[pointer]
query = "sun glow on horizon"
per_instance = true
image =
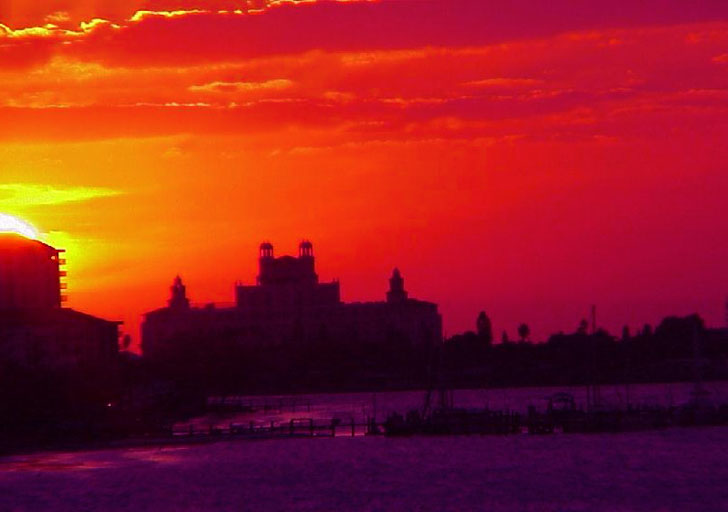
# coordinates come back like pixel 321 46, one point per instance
pixel 11 224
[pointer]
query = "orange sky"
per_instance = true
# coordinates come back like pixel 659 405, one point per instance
pixel 525 159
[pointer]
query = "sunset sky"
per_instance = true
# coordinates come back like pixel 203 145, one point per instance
pixel 524 157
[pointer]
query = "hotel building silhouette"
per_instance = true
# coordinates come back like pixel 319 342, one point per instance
pixel 288 305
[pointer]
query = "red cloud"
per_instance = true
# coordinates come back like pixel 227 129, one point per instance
pixel 196 32
pixel 573 85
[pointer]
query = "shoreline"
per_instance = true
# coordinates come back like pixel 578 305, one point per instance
pixel 319 427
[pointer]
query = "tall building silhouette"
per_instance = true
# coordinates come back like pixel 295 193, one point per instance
pixel 30 274
pixel 34 329
pixel 288 305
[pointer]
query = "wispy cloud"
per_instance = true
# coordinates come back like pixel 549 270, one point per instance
pixel 58 17
pixel 140 15
pixel 503 82
pixel 35 194
pixel 226 87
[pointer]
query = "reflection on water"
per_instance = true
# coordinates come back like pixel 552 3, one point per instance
pixel 91 460
pixel 677 469
pixel 54 462
pixel 159 455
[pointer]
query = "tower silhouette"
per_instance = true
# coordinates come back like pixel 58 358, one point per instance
pixel 396 291
pixel 178 298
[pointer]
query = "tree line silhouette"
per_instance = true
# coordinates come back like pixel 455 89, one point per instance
pixel 673 351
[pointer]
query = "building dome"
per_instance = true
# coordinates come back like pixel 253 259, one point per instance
pixel 266 250
pixel 305 248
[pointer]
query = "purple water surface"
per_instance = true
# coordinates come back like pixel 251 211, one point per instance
pixel 676 469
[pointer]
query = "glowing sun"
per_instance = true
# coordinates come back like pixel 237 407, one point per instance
pixel 10 224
